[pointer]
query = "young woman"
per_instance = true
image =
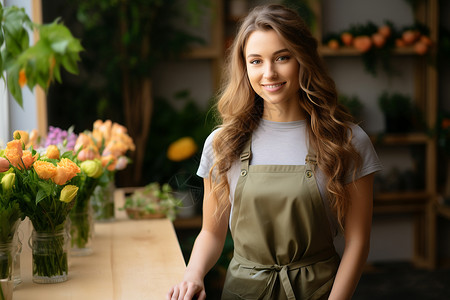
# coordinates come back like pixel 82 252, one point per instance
pixel 285 171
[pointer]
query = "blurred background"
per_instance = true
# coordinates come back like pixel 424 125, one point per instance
pixel 155 67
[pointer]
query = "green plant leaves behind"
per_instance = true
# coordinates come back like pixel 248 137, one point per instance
pixel 41 62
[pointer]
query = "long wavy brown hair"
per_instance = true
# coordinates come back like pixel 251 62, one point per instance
pixel 240 109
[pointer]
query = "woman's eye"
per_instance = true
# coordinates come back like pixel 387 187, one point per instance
pixel 255 62
pixel 283 58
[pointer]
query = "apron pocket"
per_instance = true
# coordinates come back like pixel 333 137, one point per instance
pixel 245 283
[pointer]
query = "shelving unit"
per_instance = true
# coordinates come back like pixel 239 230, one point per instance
pixel 422 204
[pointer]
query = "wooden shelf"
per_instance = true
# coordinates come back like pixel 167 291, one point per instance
pixel 398 208
pixel 400 139
pixel 203 53
pixel 411 196
pixel 350 51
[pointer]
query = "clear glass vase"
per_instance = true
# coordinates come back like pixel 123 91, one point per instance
pixel 7 256
pixel 50 256
pixel 16 264
pixel 81 230
pixel 102 201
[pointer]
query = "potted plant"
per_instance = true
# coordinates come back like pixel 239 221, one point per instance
pixel 152 201
pixel 398 112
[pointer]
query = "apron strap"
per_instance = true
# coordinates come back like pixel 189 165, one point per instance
pixel 245 157
pixel 283 270
pixel 311 162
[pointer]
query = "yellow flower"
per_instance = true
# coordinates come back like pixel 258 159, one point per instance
pixel 44 169
pixel 14 152
pixel 68 193
pixel 65 171
pixel 21 135
pixel 182 149
pixel 8 181
pixel 92 168
pixel 52 152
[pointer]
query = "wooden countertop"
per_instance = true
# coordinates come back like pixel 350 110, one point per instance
pixel 132 260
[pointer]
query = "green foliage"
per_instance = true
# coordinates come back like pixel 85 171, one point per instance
pixel 154 199
pixel 304 10
pixel 41 62
pixel 168 125
pixel 395 104
pixel 352 104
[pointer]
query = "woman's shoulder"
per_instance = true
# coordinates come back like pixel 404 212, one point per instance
pixel 359 136
pixel 210 138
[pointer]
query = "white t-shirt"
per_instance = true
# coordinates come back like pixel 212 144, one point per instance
pixel 285 143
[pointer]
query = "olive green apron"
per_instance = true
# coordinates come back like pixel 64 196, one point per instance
pixel 282 238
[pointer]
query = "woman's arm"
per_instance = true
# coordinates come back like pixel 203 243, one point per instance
pixel 207 249
pixel 358 223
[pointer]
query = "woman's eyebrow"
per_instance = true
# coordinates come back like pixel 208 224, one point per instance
pixel 275 53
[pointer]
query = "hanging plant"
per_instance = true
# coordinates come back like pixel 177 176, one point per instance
pixel 38 64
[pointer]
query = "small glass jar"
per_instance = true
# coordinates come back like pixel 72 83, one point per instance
pixel 7 254
pixel 81 231
pixel 50 256
pixel 102 201
pixel 16 267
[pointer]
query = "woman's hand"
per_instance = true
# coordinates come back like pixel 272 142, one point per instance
pixel 206 251
pixel 187 290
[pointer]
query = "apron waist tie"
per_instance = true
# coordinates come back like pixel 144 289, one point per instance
pixel 283 270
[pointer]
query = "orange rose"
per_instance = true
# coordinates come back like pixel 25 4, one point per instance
pixel 44 169
pixel 111 160
pixel 28 159
pixel 88 153
pixel 83 141
pixel 116 148
pixel 14 152
pixel 65 171
pixel 52 152
pixel 33 139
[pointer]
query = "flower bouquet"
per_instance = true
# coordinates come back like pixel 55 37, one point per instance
pixel 81 228
pixel 109 143
pixel 10 216
pixel 46 186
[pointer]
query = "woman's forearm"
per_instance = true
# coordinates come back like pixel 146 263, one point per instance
pixel 205 253
pixel 350 270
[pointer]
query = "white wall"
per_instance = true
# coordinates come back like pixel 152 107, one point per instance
pixel 13 117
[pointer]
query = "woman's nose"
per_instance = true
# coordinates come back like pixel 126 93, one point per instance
pixel 269 71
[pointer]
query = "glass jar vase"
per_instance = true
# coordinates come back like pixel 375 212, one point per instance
pixel 50 256
pixel 81 230
pixel 102 201
pixel 7 256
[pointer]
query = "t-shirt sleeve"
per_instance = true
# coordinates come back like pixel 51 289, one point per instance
pixel 207 158
pixel 370 163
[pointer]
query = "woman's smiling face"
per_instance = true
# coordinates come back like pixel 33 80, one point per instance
pixel 273 72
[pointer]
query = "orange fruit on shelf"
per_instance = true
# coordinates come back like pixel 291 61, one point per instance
pixel 362 43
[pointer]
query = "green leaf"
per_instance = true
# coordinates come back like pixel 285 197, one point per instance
pixel 40 196
pixel 60 46
pixel 14 87
pixel 70 64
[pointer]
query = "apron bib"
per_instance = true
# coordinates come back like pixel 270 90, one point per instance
pixel 283 246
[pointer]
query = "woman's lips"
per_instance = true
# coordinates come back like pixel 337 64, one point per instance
pixel 273 87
